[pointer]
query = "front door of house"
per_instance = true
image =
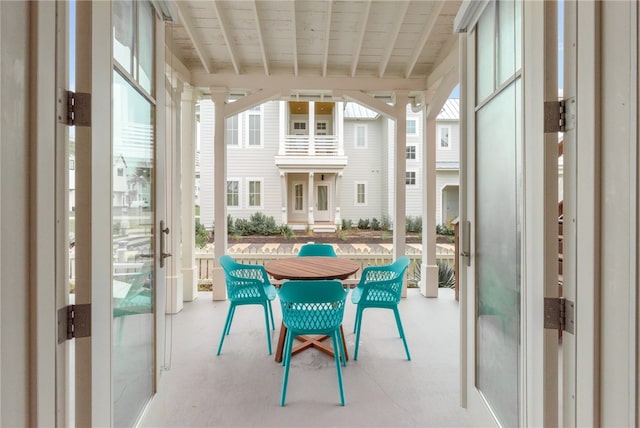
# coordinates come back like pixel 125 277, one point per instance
pixel 322 196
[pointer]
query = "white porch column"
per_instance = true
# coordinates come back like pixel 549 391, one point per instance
pixel 174 201
pixel 219 97
pixel 310 199
pixel 429 268
pixel 339 126
pixel 284 129
pixel 188 137
pixel 399 233
pixel 312 128
pixel 338 219
pixel 285 196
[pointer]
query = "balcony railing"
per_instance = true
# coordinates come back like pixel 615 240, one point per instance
pixel 300 145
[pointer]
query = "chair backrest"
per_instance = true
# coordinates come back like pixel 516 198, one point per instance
pixel 383 284
pixel 310 307
pixel 243 281
pixel 325 250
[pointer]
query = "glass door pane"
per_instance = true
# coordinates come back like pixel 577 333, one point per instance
pixel 133 270
pixel 498 182
pixel 322 202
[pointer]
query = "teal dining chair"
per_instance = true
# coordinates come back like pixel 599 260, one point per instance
pixel 312 307
pixel 247 285
pixel 380 287
pixel 325 250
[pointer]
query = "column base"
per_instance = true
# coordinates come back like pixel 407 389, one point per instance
pixel 174 294
pixel 190 284
pixel 219 287
pixel 429 280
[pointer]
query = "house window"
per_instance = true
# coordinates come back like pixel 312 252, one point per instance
pixel 361 193
pixel 321 128
pixel 72 164
pixel 411 151
pixel 120 172
pixel 255 193
pixel 255 126
pixel 361 136
pixel 299 128
pixel 233 193
pixel 443 140
pixel 410 178
pixel 412 127
pixel 299 197
pixel 231 129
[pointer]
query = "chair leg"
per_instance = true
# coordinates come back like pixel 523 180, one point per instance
pixel 287 362
pixel 336 341
pixel 232 312
pixel 266 322
pixel 273 325
pixel 227 325
pixel 357 331
pixel 401 331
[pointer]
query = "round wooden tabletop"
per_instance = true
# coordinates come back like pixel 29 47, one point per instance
pixel 308 268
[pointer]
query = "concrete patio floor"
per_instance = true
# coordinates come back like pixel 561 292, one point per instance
pixel 241 387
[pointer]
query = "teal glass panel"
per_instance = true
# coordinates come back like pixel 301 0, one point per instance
pixel 485 57
pixel 145 46
pixel 132 243
pixel 498 211
pixel 123 24
pixel 506 57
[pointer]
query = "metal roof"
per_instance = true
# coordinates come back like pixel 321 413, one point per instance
pixel 450 110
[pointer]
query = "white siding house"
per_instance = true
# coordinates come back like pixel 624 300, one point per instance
pixel 316 176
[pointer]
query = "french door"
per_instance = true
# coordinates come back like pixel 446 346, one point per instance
pixel 113 198
pixel 322 203
pixel 509 220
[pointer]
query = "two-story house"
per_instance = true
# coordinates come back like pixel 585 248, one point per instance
pixel 313 164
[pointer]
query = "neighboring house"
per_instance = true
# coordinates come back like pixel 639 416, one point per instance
pixel 313 164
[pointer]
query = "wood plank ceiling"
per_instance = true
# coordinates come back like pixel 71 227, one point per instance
pixel 315 46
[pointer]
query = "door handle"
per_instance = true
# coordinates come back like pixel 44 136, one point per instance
pixel 466 242
pixel 163 253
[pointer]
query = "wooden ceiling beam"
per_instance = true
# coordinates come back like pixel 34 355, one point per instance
pixel 327 34
pixel 189 28
pixel 226 36
pixel 363 29
pixel 395 31
pixel 436 9
pixel 263 49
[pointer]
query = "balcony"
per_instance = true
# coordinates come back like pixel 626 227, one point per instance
pixel 300 150
pixel 241 387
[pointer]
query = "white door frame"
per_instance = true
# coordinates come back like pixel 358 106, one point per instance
pixel 323 216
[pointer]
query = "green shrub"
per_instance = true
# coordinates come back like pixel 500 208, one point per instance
pixel 363 223
pixel 242 227
pixel 385 223
pixel 342 235
pixel 446 275
pixel 375 224
pixel 346 224
pixel 286 231
pixel 414 224
pixel 230 228
pixel 202 236
pixel 443 229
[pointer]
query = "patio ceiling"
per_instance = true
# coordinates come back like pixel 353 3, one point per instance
pixel 315 47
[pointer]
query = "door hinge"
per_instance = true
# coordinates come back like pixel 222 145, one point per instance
pixel 74 108
pixel 558 314
pixel 74 321
pixel 559 116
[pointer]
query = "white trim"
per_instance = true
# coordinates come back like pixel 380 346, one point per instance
pixel 366 194
pixel 260 114
pixel 233 207
pixel 441 129
pixel 363 128
pixel 248 181
pixel 416 131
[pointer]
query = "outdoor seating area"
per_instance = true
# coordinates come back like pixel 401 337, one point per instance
pixel 381 388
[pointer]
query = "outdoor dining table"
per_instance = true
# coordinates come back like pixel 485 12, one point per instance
pixel 310 268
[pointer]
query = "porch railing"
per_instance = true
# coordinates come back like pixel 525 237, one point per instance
pixel 299 145
pixel 205 262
